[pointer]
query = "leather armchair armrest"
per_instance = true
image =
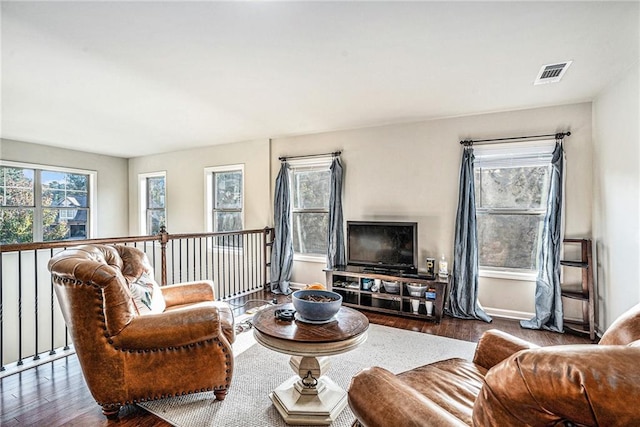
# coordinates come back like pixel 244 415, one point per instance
pixel 379 399
pixel 495 346
pixel 585 384
pixel 188 292
pixel 169 329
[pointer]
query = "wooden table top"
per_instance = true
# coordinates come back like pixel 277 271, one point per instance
pixel 346 332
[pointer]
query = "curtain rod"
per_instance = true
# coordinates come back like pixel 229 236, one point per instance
pixel 285 158
pixel 559 135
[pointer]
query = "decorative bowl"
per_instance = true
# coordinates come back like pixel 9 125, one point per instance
pixel 391 287
pixel 325 306
pixel 416 290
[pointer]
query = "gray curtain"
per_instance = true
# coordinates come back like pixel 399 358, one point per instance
pixel 548 299
pixel 335 246
pixel 463 294
pixel 282 249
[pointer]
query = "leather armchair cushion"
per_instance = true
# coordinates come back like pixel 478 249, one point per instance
pixel 171 329
pixel 407 408
pixel 225 316
pixel 197 293
pixel 450 386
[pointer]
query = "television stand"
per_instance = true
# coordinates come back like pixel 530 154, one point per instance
pixel 355 285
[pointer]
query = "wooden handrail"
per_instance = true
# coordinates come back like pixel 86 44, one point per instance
pixel 162 237
pixel 15 247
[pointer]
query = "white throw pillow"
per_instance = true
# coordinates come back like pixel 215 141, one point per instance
pixel 147 295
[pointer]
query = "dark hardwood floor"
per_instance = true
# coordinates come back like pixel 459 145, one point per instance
pixel 54 394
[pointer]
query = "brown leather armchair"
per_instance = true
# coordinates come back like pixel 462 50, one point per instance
pixel 512 383
pixel 179 344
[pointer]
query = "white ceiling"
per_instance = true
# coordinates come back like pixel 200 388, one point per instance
pixel 136 78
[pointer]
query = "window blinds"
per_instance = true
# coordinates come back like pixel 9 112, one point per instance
pixel 514 154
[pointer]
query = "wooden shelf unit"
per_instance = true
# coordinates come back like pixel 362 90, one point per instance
pixel 583 291
pixel 348 282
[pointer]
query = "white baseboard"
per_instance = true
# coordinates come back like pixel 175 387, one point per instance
pixel 512 314
pixel 509 314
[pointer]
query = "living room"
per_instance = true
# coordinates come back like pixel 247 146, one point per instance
pixel 401 160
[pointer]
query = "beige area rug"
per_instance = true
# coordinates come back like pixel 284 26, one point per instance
pixel 258 371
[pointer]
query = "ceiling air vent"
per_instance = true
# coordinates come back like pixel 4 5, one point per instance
pixel 552 73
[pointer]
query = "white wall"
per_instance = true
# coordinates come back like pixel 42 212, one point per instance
pixel 409 172
pixel 405 172
pixel 185 184
pixel 112 186
pixel 616 211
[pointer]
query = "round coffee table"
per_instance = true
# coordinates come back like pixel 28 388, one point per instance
pixel 310 397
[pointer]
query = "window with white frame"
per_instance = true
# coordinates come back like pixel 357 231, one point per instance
pixel 511 191
pixel 44 203
pixel 153 202
pixel 225 201
pixel 310 191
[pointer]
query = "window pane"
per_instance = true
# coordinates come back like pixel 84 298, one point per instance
pixel 16 187
pixel 63 224
pixel 17 197
pixel 64 189
pixel 65 181
pixel 310 189
pixel 155 218
pixel 517 187
pixel 310 233
pixel 228 190
pixel 16 177
pixel 155 192
pixel 53 227
pixel 508 241
pixel 16 225
pixel 228 221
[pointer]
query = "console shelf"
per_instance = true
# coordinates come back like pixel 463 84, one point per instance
pixel 583 291
pixel 354 284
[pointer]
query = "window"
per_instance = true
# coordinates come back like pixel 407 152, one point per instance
pixel 511 190
pixel 38 204
pixel 153 210
pixel 310 191
pixel 225 200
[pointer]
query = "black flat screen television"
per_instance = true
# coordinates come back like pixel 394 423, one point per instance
pixel 383 245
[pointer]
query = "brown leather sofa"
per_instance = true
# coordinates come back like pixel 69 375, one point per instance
pixel 181 345
pixel 512 383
